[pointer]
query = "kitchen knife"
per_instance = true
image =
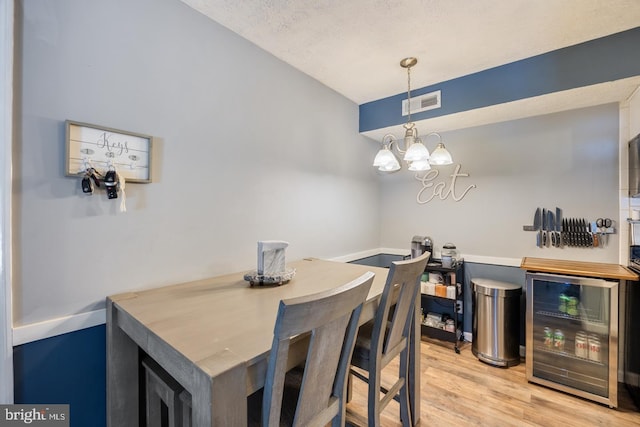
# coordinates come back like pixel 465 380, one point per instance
pixel 537 219
pixel 536 222
pixel 551 225
pixel 581 233
pixel 559 224
pixel 588 235
pixel 543 243
pixel 572 232
pixel 595 234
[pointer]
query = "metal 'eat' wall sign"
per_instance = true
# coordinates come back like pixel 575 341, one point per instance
pixel 440 190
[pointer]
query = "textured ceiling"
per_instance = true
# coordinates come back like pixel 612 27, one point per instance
pixel 354 46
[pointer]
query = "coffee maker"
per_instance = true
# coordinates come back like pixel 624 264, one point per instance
pixel 420 245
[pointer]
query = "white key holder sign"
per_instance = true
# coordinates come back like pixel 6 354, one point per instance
pixel 103 149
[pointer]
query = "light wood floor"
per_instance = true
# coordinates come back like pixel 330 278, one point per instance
pixel 459 390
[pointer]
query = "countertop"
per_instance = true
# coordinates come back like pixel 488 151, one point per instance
pixel 578 268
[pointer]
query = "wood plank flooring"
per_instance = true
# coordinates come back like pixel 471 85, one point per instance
pixel 459 390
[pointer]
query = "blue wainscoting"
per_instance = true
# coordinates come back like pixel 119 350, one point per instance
pixel 66 369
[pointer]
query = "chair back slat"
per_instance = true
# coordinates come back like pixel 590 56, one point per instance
pixel 331 318
pixel 400 294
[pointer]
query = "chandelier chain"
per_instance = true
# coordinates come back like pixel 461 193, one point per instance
pixel 408 95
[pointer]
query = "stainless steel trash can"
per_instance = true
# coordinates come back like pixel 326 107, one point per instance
pixel 496 322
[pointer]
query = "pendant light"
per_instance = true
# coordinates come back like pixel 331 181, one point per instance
pixel 415 153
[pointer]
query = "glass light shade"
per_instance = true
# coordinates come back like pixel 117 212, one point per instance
pixel 386 161
pixel 416 152
pixel 440 156
pixel 390 167
pixel 384 157
pixel 420 165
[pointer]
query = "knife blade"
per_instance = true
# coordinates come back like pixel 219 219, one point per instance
pixel 536 222
pixel 543 243
pixel 580 231
pixel 551 225
pixel 595 235
pixel 559 224
pixel 572 232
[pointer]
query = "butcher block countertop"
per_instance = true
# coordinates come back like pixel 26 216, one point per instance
pixel 578 268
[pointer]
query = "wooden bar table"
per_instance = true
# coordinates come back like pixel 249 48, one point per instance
pixel 214 336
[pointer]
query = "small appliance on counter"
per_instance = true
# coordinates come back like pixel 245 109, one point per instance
pixel 420 245
pixel 449 255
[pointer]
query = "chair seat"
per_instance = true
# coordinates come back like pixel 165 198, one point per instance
pixel 292 384
pixel 362 349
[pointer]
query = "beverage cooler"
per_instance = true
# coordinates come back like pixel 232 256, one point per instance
pixel 572 335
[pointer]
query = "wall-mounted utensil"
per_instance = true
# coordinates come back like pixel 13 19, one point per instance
pixel 544 228
pixel 552 229
pixel 536 222
pixel 595 234
pixel 559 222
pixel 588 237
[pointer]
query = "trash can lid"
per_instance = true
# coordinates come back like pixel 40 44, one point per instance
pixel 496 288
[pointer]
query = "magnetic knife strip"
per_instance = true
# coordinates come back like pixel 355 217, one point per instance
pixel 553 230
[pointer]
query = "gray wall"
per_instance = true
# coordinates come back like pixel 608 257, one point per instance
pixel 247 148
pixel 567 159
pixel 513 275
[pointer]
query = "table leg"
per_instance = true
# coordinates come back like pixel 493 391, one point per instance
pixel 122 374
pixel 221 401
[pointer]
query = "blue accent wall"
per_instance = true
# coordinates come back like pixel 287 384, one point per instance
pixel 65 369
pixel 606 59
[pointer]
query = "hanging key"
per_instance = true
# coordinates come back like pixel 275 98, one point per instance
pixel 111 183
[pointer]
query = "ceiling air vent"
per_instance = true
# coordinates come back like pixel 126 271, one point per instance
pixel 428 101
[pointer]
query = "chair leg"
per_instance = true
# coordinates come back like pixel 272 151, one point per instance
pixel 405 410
pixel 374 397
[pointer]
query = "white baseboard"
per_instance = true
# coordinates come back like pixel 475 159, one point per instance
pixel 479 259
pixel 75 322
pixel 61 325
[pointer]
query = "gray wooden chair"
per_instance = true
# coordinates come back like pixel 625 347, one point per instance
pixel 315 395
pixel 387 336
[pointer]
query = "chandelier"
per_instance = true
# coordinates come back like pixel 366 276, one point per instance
pixel 415 153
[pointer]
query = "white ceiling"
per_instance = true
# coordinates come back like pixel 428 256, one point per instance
pixel 355 46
